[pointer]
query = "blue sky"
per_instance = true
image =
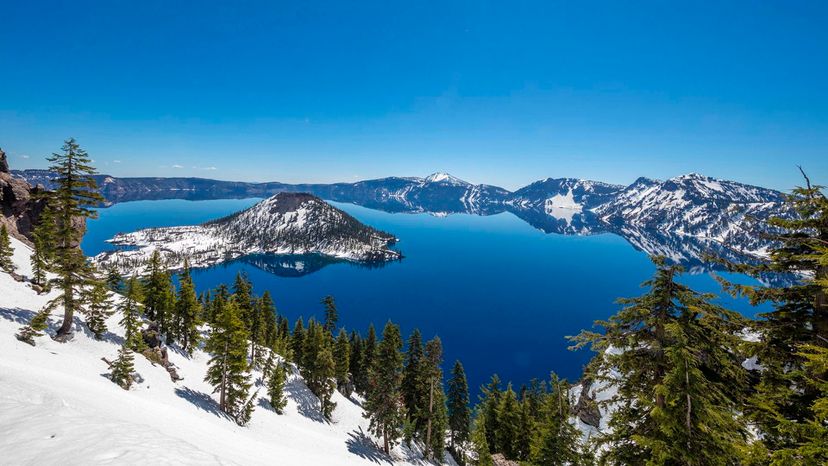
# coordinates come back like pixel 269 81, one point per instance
pixel 496 92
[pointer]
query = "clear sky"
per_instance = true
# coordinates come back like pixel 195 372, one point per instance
pixel 497 92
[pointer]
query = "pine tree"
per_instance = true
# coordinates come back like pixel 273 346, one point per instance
pixel 527 427
pixel 98 308
pixel 131 315
pixel 784 396
pixel 489 402
pixel 159 295
pixel 331 316
pixel 556 442
pixel 123 367
pixel 508 424
pixel 326 381
pixel 458 407
pixel 6 251
pixel 37 325
pixel 243 294
pixel 413 384
pixel 270 333
pixel 480 443
pixel 297 340
pixel 114 279
pixel 383 405
pixel 433 412
pixel 342 358
pixel 227 369
pixel 276 387
pixel 355 362
pixel 680 383
pixel 74 195
pixel 43 238
pixel 187 312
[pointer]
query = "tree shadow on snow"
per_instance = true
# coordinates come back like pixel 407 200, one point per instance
pixel 16 314
pixel 307 402
pixel 107 336
pixel 361 445
pixel 201 401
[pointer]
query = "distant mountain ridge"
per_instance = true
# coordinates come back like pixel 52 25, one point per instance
pixel 683 217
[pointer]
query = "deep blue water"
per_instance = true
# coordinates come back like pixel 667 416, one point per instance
pixel 501 295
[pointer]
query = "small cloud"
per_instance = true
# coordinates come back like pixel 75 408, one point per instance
pixel 116 161
pixel 24 156
pixel 178 166
pixel 209 168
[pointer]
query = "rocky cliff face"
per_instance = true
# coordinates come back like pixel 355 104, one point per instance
pixel 19 208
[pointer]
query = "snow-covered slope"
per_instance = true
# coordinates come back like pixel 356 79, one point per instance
pixel 58 407
pixel 287 223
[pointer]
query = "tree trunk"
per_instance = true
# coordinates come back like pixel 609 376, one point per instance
pixel 429 453
pixel 68 313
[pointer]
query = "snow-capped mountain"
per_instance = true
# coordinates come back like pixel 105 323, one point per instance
pixel 678 217
pixel 287 223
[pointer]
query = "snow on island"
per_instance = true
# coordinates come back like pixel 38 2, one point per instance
pixel 287 223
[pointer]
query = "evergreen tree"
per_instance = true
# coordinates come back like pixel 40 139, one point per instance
pixel 75 193
pixel 784 396
pixel 98 308
pixel 297 341
pixel 227 369
pixel 342 356
pixel 480 443
pixel 243 294
pixel 113 279
pixel 414 389
pixel 358 372
pixel 556 442
pixel 458 407
pixel 433 413
pixel 187 311
pixel 6 251
pixel 326 381
pixel 508 424
pixel 369 350
pixel 159 296
pixel 276 387
pixel 283 331
pixel 331 316
pixel 43 238
pixel 489 403
pixel 383 405
pixel 122 368
pixel 37 325
pixel 131 315
pixel 680 381
pixel 271 320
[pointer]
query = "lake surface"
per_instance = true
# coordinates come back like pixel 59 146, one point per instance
pixel 500 294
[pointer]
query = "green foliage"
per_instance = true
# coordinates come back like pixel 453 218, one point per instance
pixel 6 251
pixel 480 443
pixel 433 413
pixel 413 387
pixel 556 440
pixel 383 404
pixel 227 369
pixel 342 358
pixel 297 340
pixel 458 406
pixel 187 312
pixel 276 386
pixel 508 424
pixel 114 279
pixel 37 325
pixel 131 315
pixel 324 382
pixel 122 368
pixel 43 239
pixel 159 296
pixel 74 196
pixel 489 403
pixel 680 381
pixel 331 315
pixel 98 308
pixel 785 403
pixel 359 372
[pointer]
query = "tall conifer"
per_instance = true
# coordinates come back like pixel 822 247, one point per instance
pixel 6 251
pixel 384 406
pixel 227 369
pixel 458 406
